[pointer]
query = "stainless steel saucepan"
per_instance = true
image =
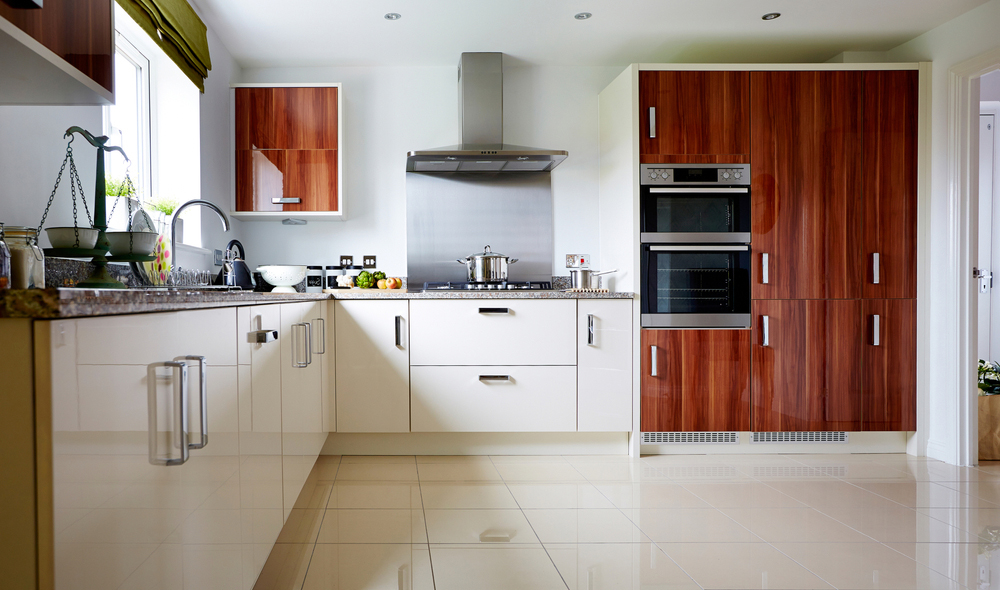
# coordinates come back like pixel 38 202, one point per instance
pixel 584 278
pixel 487 266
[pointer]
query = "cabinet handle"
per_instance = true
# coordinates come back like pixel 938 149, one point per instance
pixel 399 331
pixel 180 418
pixel 876 340
pixel 590 329
pixel 767 331
pixel 202 365
pixel 875 268
pixel 403 577
pixel 494 378
pixel 262 336
pixel 652 122
pixel 322 337
pixel 494 310
pixel 299 346
pixel 653 371
pixel 309 342
pixel 764 275
pixel 286 201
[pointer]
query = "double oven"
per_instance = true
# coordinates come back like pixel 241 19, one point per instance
pixel 695 245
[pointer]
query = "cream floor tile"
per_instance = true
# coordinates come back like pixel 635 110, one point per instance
pixel 369 567
pixel 689 525
pixel 742 495
pixel 943 472
pixel 558 495
pixel 984 490
pixel 302 526
pixel 691 472
pixel 373 526
pixel 862 471
pixel 378 460
pixel 650 495
pixel 981 523
pixel 171 495
pixel 326 468
pixel 285 568
pixel 454 459
pixel 314 494
pixel 498 459
pixel 178 567
pixel 892 522
pixel 589 459
pixel 583 525
pixel 740 566
pixel 540 472
pixel 827 494
pixel 608 471
pixel 209 526
pixel 958 561
pixel 864 565
pixel 494 568
pixel 450 496
pixel 86 494
pixel 98 566
pixel 795 525
pixel 457 472
pixel 476 526
pixel 925 495
pixel 63 518
pixel 618 566
pixel 226 497
pixel 124 525
pixel 785 470
pixel 377 472
pixel 375 494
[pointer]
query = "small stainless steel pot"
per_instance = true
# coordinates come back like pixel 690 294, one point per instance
pixel 487 266
pixel 584 278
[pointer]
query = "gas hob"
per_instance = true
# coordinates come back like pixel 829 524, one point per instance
pixel 504 286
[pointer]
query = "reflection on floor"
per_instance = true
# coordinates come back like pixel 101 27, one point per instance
pixel 594 523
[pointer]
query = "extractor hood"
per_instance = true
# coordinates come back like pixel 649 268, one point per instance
pixel 480 119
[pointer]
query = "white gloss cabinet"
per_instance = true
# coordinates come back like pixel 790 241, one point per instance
pixel 373 365
pixel 604 370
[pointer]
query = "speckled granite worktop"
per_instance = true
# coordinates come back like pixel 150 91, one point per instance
pixel 68 303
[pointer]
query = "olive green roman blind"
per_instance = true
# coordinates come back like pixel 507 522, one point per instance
pixel 178 30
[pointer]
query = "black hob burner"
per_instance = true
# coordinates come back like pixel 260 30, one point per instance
pixel 504 286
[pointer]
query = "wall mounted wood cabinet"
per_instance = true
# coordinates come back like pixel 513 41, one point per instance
pixel 697 117
pixel 287 152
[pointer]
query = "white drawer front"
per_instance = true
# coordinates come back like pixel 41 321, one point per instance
pixel 472 332
pixel 456 399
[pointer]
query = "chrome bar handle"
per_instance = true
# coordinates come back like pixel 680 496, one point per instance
pixel 876 339
pixel 590 329
pixel 203 393
pixel 286 200
pixel 494 378
pixel 652 122
pixel 767 330
pixel 322 338
pixel 653 371
pixel 875 268
pixel 494 310
pixel 181 418
pixel 399 331
pixel 309 342
pixel 764 275
pixel 262 336
pixel 298 346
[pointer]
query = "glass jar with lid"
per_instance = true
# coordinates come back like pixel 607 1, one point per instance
pixel 27 262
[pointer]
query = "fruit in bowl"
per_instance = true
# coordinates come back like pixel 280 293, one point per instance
pixel 284 277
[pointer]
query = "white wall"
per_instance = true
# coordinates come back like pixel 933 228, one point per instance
pixel 989 86
pixel 962 38
pixel 389 111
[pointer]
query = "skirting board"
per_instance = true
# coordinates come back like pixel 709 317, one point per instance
pixel 478 443
pixel 858 442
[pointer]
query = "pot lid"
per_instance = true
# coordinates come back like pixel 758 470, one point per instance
pixel 488 253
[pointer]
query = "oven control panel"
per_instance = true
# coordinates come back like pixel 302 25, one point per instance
pixel 694 174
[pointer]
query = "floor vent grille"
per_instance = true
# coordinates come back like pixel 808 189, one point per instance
pixel 669 438
pixel 798 437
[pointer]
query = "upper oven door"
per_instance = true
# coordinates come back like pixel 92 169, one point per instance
pixel 677 214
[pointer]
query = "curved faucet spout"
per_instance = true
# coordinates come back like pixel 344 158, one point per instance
pixel 203 203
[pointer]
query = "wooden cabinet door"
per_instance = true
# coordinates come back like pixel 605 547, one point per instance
pixel 890 364
pixel 700 380
pixel 286 118
pixel 890 184
pixel 806 185
pixel 698 117
pixel 307 175
pixel 807 365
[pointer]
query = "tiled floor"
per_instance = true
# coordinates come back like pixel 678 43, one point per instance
pixel 663 522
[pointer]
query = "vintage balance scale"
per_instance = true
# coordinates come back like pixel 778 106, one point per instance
pixel 100 278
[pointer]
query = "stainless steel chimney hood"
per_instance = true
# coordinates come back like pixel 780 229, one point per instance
pixel 480 119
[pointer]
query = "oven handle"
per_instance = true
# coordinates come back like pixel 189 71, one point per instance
pixel 699 248
pixel 693 189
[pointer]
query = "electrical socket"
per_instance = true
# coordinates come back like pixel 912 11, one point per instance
pixel 346 261
pixel 218 257
pixel 369 261
pixel 578 261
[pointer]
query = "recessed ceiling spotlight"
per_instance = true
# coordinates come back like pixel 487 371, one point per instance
pixel 582 15
pixel 393 16
pixel 768 16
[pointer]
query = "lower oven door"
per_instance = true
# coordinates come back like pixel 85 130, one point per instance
pixel 695 286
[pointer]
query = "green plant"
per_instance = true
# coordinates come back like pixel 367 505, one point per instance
pixel 989 378
pixel 164 205
pixel 114 187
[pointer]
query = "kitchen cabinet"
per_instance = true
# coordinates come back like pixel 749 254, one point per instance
pixel 695 380
pixel 694 117
pixel 806 142
pixel 890 364
pixel 373 365
pixel 61 53
pixel 889 184
pixel 604 365
pixel 807 365
pixel 288 158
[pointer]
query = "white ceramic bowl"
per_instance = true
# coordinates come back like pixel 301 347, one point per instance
pixel 284 277
pixel 65 237
pixel 142 242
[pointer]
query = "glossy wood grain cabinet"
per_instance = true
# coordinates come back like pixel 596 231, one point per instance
pixel 696 117
pixel 890 364
pixel 695 380
pixel 288 159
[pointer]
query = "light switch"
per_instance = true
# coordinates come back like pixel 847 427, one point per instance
pixel 369 261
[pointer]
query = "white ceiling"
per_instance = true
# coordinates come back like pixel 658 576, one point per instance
pixel 265 33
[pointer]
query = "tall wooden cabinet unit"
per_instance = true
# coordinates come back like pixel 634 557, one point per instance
pixel 288 151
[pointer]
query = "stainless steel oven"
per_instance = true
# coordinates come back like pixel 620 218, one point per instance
pixel 694 203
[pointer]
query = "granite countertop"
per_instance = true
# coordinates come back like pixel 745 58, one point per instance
pixel 69 303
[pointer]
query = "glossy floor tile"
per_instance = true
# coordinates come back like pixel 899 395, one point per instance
pixel 568 523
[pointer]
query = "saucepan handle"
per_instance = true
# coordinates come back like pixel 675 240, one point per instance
pixel 511 260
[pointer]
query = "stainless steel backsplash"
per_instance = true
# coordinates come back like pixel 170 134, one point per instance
pixel 454 216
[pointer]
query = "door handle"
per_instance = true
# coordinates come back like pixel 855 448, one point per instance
pixel 590 329
pixel 286 201
pixel 652 122
pixel 322 337
pixel 202 365
pixel 494 310
pixel 399 331
pixel 876 338
pixel 766 324
pixel 875 272
pixel 764 275
pixel 494 378
pixel 262 336
pixel 180 418
pixel 299 346
pixel 309 342
pixel 653 371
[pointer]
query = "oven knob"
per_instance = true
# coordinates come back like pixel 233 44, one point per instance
pixel 725 175
pixel 652 175
pixel 739 175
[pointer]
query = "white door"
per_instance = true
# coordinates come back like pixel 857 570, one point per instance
pixel 986 156
pixel 604 335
